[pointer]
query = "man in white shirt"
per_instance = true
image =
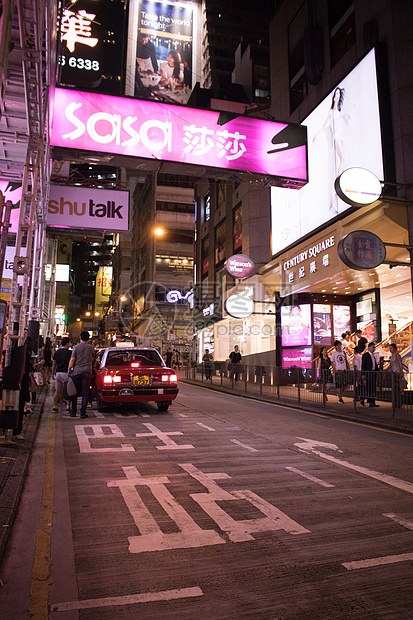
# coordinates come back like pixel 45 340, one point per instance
pixel 340 364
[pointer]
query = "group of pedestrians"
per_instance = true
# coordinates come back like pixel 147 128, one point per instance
pixel 78 365
pixel 334 368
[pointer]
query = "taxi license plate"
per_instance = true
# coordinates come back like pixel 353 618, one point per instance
pixel 141 380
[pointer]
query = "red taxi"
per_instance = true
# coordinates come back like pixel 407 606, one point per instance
pixel 134 375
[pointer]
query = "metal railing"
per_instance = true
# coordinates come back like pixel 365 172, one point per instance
pixel 394 392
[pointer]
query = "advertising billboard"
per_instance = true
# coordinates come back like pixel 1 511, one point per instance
pixel 160 131
pixel 164 51
pixel 12 190
pixel 103 288
pixel 71 206
pixel 295 325
pixel 302 358
pixel 322 324
pixel 342 320
pixel 92 48
pixel 343 132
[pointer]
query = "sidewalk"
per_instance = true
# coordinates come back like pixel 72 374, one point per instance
pixel 312 401
pixel 14 465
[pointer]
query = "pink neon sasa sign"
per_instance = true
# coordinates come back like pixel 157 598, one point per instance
pixel 156 130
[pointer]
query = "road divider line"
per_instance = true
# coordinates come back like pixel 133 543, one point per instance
pixel 310 477
pixel 399 520
pixel 243 445
pixel 373 562
pixel 130 599
pixel 209 428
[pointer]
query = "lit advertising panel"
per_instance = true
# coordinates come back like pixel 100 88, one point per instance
pixel 322 324
pixel 164 50
pixel 337 140
pixel 297 357
pixel 295 325
pixel 71 206
pixel 155 130
pixel 92 45
pixel 342 320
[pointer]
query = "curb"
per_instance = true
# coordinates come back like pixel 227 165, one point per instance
pixel 12 491
pixel 394 426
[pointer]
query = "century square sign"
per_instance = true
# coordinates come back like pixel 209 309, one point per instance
pixel 155 130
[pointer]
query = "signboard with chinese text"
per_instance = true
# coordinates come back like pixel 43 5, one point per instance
pixel 302 358
pixel 164 50
pixel 362 249
pixel 92 45
pixel 103 288
pixel 357 127
pixel 295 325
pixel 160 131
pixel 72 206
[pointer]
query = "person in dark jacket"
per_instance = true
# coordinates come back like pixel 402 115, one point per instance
pixel 235 358
pixel 368 369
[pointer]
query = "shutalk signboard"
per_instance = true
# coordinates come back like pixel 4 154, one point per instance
pixel 155 130
pixel 85 207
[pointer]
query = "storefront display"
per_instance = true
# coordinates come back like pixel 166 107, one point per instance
pixel 342 320
pixel 295 325
pixel 297 357
pixel 322 324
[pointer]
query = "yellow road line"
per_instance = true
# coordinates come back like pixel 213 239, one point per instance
pixel 39 591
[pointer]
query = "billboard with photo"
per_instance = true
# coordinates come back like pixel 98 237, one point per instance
pixel 342 320
pixel 322 324
pixel 295 325
pixel 161 56
pixel 12 190
pixel 343 132
pixel 155 130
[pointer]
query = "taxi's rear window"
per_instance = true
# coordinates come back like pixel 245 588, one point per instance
pixel 126 358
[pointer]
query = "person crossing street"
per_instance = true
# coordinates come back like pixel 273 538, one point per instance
pixel 80 369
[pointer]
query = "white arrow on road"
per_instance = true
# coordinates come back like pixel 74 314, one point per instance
pixel 310 445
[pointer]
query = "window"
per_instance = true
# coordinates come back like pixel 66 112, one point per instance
pixel 342 25
pixel 220 237
pixel 205 255
pixel 238 227
pixel 298 79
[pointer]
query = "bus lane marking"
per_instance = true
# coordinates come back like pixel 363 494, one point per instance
pixel 310 477
pixel 243 445
pixel 383 561
pixel 309 446
pixel 152 538
pixel 399 520
pixel 97 432
pixel 129 599
pixel 169 444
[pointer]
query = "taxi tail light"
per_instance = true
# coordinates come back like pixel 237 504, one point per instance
pixel 169 378
pixel 135 365
pixel 109 379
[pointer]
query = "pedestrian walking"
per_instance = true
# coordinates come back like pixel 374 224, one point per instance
pixel 235 358
pixel 340 365
pixel 168 357
pixel 60 367
pixel 399 383
pixel 207 360
pixel 324 371
pixel 361 341
pixel 369 368
pixel 80 368
pixel 357 361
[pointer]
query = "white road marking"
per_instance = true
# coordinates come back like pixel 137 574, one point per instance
pixel 209 428
pixel 243 445
pixel 309 444
pixel 309 477
pixel 399 520
pixel 145 415
pixel 99 414
pixel 389 559
pixel 98 433
pixel 131 599
pixel 238 531
pixel 151 536
pixel 182 415
pixel 169 444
